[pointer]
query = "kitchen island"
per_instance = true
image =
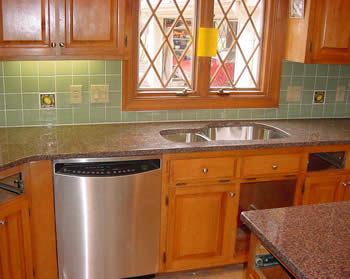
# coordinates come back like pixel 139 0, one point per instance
pixel 311 242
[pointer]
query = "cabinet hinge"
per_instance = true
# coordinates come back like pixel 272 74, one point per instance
pixel 310 47
pixel 33 272
pixel 303 189
pixel 126 41
pixel 164 257
pixel 166 200
pixel 29 212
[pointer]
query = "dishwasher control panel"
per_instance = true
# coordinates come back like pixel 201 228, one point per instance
pixel 104 169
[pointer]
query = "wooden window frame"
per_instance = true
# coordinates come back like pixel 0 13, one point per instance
pixel 203 98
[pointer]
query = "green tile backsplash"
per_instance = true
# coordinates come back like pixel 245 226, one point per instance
pixel 22 81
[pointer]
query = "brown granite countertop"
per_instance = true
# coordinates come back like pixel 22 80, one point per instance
pixel 312 241
pixel 23 144
pixel 6 196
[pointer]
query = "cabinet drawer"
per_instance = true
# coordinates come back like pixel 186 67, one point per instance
pixel 182 171
pixel 270 164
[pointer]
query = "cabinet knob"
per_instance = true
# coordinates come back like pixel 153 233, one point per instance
pixel 274 167
pixel 205 170
pixel 232 194
pixel 53 44
pixel 3 223
pixel 61 44
pixel 345 184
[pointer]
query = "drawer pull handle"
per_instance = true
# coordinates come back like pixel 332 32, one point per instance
pixel 180 184
pixel 232 194
pixel 205 170
pixel 224 180
pixel 3 223
pixel 61 44
pixel 53 44
pixel 274 167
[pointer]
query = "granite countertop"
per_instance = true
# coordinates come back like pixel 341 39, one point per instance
pixel 312 241
pixel 23 144
pixel 6 196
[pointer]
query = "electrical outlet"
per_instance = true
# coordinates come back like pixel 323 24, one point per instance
pixel 99 94
pixel 294 93
pixel 340 96
pixel 75 94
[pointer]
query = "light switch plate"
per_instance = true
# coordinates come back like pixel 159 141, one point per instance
pixel 75 94
pixel 294 93
pixel 340 96
pixel 99 94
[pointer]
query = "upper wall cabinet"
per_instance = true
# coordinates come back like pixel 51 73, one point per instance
pixel 62 29
pixel 322 36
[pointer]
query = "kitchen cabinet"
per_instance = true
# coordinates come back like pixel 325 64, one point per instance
pixel 15 241
pixel 62 29
pixel 322 36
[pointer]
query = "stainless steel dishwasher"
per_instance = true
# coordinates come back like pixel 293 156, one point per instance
pixel 107 217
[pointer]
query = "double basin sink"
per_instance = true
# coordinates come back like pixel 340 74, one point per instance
pixel 250 131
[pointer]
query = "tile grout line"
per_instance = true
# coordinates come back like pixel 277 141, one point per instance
pixel 21 89
pixel 4 89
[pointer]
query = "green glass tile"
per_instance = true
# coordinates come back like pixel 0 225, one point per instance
pixel 258 113
pixel 114 82
pixel 345 70
pixel 144 116
pixel 97 114
pixel 282 112
pixel 63 84
pixel 297 81
pixel 317 110
pixel 97 67
pixel 285 82
pixel 2 118
pixel 14 117
pixel 85 97
pixel 81 80
pixel 330 97
pixel 309 83
pixel 12 68
pixel 46 84
pixel 244 114
pixel 305 111
pixel 1 85
pixel 307 97
pixel 2 102
pixel 1 68
pixel 321 83
pixel 283 97
pixel 113 114
pixel 231 114
pixel 31 117
pixel 287 68
pixel 64 68
pixel 97 80
pixel 189 115
pixel 46 68
pixel 217 114
pixel 30 84
pixel 329 110
pixel 333 70
pixel 48 116
pixel 322 70
pixel 332 83
pixel 347 113
pixel 113 67
pixel 344 82
pixel 298 69
pixel 174 115
pixel 294 111
pixel 203 114
pixel 13 101
pixel 63 100
pixel 340 110
pixel 81 114
pixel 115 100
pixel 29 68
pixel 64 116
pixel 30 101
pixel 129 116
pixel 159 115
pixel 80 67
pixel 270 113
pixel 310 70
pixel 12 85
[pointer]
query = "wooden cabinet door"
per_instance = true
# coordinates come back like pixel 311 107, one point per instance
pixel 323 189
pixel 331 32
pixel 91 27
pixel 15 244
pixel 27 28
pixel 201 226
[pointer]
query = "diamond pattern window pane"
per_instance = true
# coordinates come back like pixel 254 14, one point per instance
pixel 240 24
pixel 166 55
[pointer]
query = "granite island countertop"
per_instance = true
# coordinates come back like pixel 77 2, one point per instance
pixel 311 241
pixel 23 144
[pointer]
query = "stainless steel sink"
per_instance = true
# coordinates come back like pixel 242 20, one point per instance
pixel 251 131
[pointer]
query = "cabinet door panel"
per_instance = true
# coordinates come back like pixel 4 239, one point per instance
pixel 331 42
pixel 26 27
pixel 323 189
pixel 201 226
pixel 91 27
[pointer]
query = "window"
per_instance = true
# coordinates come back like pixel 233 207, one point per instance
pixel 162 71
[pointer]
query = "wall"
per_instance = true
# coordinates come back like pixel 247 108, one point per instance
pixel 21 83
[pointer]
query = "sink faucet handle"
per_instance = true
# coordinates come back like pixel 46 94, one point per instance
pixel 205 170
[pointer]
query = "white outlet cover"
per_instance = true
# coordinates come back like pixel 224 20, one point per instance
pixel 75 94
pixel 340 96
pixel 294 93
pixel 99 94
